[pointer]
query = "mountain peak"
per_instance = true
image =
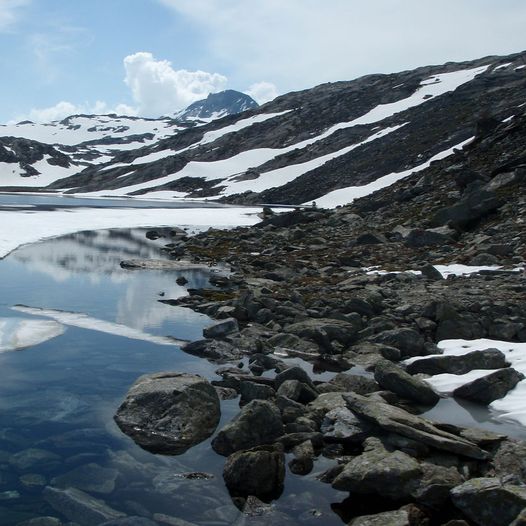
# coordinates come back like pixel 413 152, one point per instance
pixel 216 105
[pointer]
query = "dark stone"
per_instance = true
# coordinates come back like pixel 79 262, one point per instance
pixel 258 423
pixel 221 329
pixel 298 391
pixel 410 342
pixel 395 379
pixel 254 391
pixel 169 412
pixel 491 387
pixel 486 359
pixel 259 471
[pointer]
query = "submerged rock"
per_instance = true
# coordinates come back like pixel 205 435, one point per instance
pixel 169 412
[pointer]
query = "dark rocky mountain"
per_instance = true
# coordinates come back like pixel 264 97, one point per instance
pixel 228 102
pixel 331 143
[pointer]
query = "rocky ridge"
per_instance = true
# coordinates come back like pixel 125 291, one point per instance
pixel 300 287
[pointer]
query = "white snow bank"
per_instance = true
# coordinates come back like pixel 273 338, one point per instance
pixel 20 228
pixel 343 196
pixel 510 407
pixel 453 269
pixel 19 333
pixel 84 321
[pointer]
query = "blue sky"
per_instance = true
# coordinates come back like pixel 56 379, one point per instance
pixel 153 57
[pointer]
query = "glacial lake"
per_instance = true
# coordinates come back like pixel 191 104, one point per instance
pixel 58 396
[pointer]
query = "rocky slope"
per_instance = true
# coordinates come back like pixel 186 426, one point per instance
pixel 299 289
pixel 331 143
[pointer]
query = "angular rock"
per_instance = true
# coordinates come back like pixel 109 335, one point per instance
pixel 491 387
pixel 396 420
pixel 425 238
pixel 79 506
pixel 487 501
pixel 221 329
pixel 169 412
pixel 314 329
pixel 214 350
pixel 386 518
pixel 254 391
pixel 486 359
pixel 355 383
pixel 379 472
pixel 341 426
pixel 130 521
pixel 410 342
pixel 297 391
pixel 434 486
pixel 258 423
pixel 395 379
pixel 259 471
pixel 293 373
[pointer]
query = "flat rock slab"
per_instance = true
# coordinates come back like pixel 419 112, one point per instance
pixel 396 420
pixel 80 507
pixel 161 264
pixel 169 412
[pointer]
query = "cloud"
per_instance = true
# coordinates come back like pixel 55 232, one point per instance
pixel 64 109
pixel 262 92
pixel 158 89
pixel 301 43
pixel 9 12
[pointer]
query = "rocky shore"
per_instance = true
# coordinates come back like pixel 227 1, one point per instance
pixel 365 291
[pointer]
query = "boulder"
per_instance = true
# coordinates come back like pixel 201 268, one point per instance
pixel 255 391
pixel 214 350
pixel 169 412
pixel 396 420
pixel 293 373
pixel 379 472
pixel 259 471
pixel 221 329
pixel 491 387
pixel 297 391
pixel 410 342
pixel 313 329
pixel 341 426
pixel 424 238
pixel 258 423
pixel 486 359
pixel 395 379
pixel 488 501
pixel 386 518
pixel 355 383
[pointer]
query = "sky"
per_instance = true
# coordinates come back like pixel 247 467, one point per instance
pixel 154 57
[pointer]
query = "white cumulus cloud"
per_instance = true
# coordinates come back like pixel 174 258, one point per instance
pixel 159 89
pixel 262 92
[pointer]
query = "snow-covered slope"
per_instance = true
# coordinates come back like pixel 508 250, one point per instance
pixel 331 143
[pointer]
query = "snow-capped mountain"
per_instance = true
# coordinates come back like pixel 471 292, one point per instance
pixel 331 143
pixel 217 105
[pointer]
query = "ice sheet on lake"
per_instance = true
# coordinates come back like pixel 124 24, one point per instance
pixel 20 228
pixel 83 321
pixel 19 333
pixel 510 407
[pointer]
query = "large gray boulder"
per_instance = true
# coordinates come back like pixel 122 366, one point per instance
pixel 396 420
pixel 486 359
pixel 379 472
pixel 488 501
pixel 395 379
pixel 315 328
pixel 259 471
pixel 169 412
pixel 408 341
pixel 258 423
pixel 491 387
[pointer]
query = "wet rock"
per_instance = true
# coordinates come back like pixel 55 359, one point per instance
pixel 90 477
pixel 41 521
pixel 259 471
pixel 491 387
pixel 303 460
pixel 130 521
pixel 486 359
pixel 169 412
pixel 254 391
pixel 168 520
pixel 487 501
pixel 33 458
pixel 395 379
pixel 386 518
pixel 79 506
pixel 33 480
pixel 341 426
pixel 379 472
pixel 221 329
pixel 297 391
pixel 396 420
pixel 293 373
pixel 258 423
pixel 433 488
pixel 355 383
pixel 510 460
pixel 214 350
